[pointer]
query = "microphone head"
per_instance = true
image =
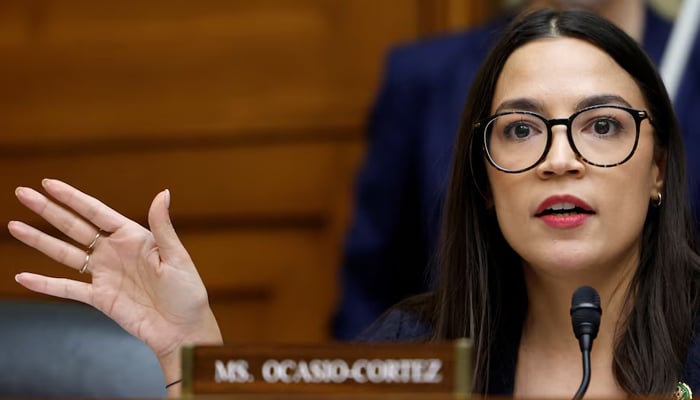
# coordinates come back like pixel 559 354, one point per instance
pixel 585 311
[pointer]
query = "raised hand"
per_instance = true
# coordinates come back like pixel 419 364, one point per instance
pixel 144 280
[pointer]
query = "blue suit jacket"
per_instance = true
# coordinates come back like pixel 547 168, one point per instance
pixel 401 186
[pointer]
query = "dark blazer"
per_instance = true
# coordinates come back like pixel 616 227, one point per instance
pixel 410 320
pixel 401 185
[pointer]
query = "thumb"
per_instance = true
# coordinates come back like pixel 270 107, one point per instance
pixel 171 249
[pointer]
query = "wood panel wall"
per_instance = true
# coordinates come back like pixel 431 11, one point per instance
pixel 251 112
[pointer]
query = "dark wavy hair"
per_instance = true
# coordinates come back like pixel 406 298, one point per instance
pixel 481 291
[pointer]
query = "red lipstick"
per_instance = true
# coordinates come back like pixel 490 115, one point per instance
pixel 564 211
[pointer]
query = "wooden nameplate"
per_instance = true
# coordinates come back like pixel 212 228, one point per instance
pixel 329 368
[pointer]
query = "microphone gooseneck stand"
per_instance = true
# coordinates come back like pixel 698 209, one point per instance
pixel 585 319
pixel 586 356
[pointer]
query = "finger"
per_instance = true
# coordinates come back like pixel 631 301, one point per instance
pixel 67 222
pixel 87 206
pixel 58 250
pixel 171 249
pixel 57 287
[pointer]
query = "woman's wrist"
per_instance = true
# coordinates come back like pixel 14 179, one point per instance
pixel 171 363
pixel 173 383
pixel 174 388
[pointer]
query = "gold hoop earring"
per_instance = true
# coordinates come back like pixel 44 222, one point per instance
pixel 657 203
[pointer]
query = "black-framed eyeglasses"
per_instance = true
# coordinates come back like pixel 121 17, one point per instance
pixel 602 135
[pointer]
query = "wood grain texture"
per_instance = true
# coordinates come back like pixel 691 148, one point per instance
pixel 251 113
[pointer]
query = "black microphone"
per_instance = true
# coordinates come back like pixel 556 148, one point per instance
pixel 585 318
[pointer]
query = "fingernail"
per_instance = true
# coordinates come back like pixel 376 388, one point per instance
pixel 18 191
pixel 44 182
pixel 167 198
pixel 16 227
pixel 17 278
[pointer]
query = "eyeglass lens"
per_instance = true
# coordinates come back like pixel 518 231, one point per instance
pixel 603 136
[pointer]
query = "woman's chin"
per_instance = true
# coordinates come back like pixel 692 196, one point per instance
pixel 571 265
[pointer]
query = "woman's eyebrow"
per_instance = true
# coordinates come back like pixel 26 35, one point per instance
pixel 524 104
pixel 602 99
pixel 528 104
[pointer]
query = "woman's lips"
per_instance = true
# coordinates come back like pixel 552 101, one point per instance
pixel 566 221
pixel 564 211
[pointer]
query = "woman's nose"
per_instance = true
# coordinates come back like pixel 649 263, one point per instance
pixel 561 159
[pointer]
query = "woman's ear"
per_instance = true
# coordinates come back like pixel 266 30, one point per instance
pixel 658 172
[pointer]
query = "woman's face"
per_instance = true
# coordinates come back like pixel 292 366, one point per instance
pixel 556 77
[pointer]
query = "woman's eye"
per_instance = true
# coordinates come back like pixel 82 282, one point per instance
pixel 602 127
pixel 515 127
pixel 521 131
pixel 518 131
pixel 605 127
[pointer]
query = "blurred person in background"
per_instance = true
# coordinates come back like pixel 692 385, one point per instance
pixel 400 188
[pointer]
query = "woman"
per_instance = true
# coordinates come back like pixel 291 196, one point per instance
pixel 603 206
pixel 568 171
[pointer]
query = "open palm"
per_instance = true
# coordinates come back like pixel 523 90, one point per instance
pixel 144 280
